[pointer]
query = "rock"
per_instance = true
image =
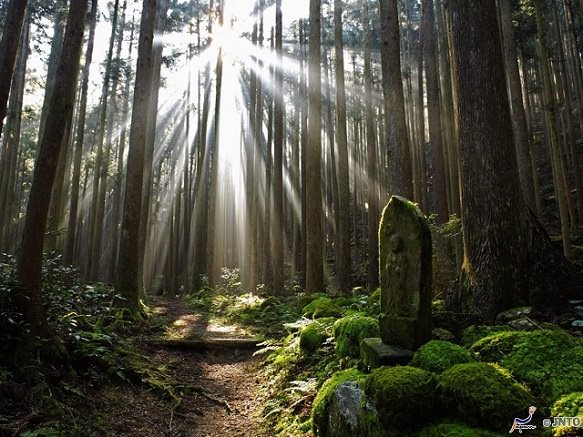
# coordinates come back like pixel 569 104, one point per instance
pixel 374 353
pixel 513 314
pixel 322 307
pixel 405 397
pixel 438 355
pixel 524 324
pixel 350 331
pixel 442 334
pixel 405 273
pixel 344 407
pixel 313 335
pixel 321 405
pixel 351 413
pixel 549 361
pixel 484 395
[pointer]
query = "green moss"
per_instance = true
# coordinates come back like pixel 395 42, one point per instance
pixel 314 334
pixel 404 396
pixel 322 307
pixel 307 299
pixel 494 347
pixel 484 394
pixel 438 355
pixel 549 361
pixel 321 404
pixel 454 430
pixel 570 405
pixel 374 302
pixel 350 331
pixel 473 333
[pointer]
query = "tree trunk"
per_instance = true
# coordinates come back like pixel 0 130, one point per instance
pixel 278 129
pixel 61 109
pixel 128 262
pixel 343 233
pixel 11 143
pixel 508 258
pixel 314 234
pixel 8 50
pixel 397 147
pixel 434 114
pixel 372 178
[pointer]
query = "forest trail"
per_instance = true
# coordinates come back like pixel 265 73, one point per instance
pixel 228 379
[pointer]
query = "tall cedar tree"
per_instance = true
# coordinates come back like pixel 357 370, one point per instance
pixel 508 257
pixel 343 234
pixel 128 262
pixel 400 178
pixel 62 102
pixel 8 50
pixel 278 128
pixel 314 235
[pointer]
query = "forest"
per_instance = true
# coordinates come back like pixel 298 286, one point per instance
pixel 291 218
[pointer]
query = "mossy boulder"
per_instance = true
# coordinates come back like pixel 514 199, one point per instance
pixel 548 361
pixel 570 405
pixel 442 334
pixel 437 356
pixel 454 430
pixel 494 347
pixel 322 307
pixel 350 331
pixel 473 333
pixel 321 404
pixel 314 334
pixel 405 397
pixel 484 394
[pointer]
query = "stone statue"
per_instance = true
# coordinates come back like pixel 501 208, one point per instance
pixel 405 273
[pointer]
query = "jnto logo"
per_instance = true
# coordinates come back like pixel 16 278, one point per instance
pixel 521 424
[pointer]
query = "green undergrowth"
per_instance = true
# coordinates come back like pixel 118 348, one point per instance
pixel 39 399
pixel 297 363
pixel 266 316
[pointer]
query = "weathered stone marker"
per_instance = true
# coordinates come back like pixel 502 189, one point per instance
pixel 405 273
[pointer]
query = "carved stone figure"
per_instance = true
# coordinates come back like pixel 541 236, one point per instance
pixel 405 273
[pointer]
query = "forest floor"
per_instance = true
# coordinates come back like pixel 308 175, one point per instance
pixel 229 402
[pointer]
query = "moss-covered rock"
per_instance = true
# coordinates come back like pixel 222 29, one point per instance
pixel 405 397
pixel 306 299
pixel 442 334
pixel 493 348
pixel 570 405
pixel 484 394
pixel 321 404
pixel 438 355
pixel 454 430
pixel 548 361
pixel 473 333
pixel 322 307
pixel 313 335
pixel 350 331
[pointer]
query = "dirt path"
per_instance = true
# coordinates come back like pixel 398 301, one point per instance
pixel 228 375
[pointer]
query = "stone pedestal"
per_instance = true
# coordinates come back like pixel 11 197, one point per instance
pixel 374 353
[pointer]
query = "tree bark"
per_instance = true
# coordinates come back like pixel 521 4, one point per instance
pixel 61 109
pixel 434 114
pixel 314 234
pixel 8 50
pixel 343 233
pixel 397 147
pixel 508 258
pixel 128 262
